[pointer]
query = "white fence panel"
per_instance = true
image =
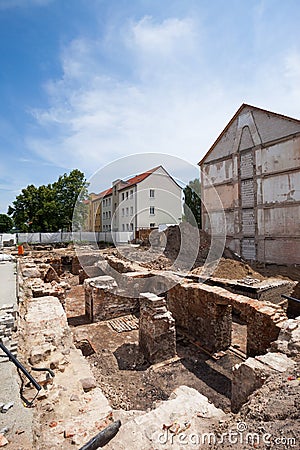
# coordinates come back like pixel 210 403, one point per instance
pixel 66 237
pixel 122 237
pixel 77 236
pixel 30 238
pixel 88 236
pixel 6 237
pixel 105 236
pixel 50 238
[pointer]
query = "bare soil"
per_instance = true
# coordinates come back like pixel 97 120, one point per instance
pixel 128 381
pixel 232 270
pixel 273 412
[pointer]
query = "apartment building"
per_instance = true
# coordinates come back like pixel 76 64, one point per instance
pixel 146 200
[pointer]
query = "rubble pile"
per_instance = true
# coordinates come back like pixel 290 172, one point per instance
pixel 187 245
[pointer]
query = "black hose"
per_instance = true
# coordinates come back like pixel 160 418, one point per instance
pixel 102 438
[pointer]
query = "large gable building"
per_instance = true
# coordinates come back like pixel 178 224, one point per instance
pixel 254 165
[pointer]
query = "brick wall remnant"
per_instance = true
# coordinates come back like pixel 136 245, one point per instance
pixel 104 300
pixel 202 314
pixel 157 338
pixel 200 310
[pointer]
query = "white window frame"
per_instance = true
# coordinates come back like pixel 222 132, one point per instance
pixel 152 211
pixel 152 191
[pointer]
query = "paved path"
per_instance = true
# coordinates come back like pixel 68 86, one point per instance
pixel 18 418
pixel 7 283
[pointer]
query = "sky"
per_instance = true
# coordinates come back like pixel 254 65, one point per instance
pixel 84 83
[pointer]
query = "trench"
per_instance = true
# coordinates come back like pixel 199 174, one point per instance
pixel 129 382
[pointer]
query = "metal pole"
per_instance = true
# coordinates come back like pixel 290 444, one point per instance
pixel 290 298
pixel 20 366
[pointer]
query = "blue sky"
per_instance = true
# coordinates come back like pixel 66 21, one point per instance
pixel 85 82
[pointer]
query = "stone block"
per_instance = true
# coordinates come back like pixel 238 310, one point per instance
pixel 157 336
pixel 31 272
pixel 88 384
pixel 252 374
pixel 51 275
pixel 40 353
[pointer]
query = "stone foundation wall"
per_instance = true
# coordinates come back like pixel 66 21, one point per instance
pixel 70 408
pixel 205 312
pixel 201 314
pixel 157 336
pixel 104 300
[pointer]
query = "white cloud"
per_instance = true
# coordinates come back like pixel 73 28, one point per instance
pixel 165 38
pixel 95 116
pixel 173 99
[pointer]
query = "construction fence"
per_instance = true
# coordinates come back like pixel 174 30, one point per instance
pixel 115 237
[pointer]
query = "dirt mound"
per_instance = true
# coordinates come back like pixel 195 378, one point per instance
pixel 273 412
pixel 232 270
pixel 187 245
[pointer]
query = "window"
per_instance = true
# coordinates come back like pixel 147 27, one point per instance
pixel 151 193
pixel 103 215
pixel 131 193
pixel 109 201
pixel 109 214
pixel 131 226
pixel 123 196
pixel 152 210
pixel 127 211
pixel 123 227
pixel 127 226
pixel 152 225
pixel 131 210
pixel 127 195
pixel 123 212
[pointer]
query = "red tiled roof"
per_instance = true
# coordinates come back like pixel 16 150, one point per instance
pixel 105 193
pixel 131 182
pixel 138 178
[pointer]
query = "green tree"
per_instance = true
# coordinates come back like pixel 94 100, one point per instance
pixel 70 191
pixel 192 203
pixel 49 207
pixel 6 223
